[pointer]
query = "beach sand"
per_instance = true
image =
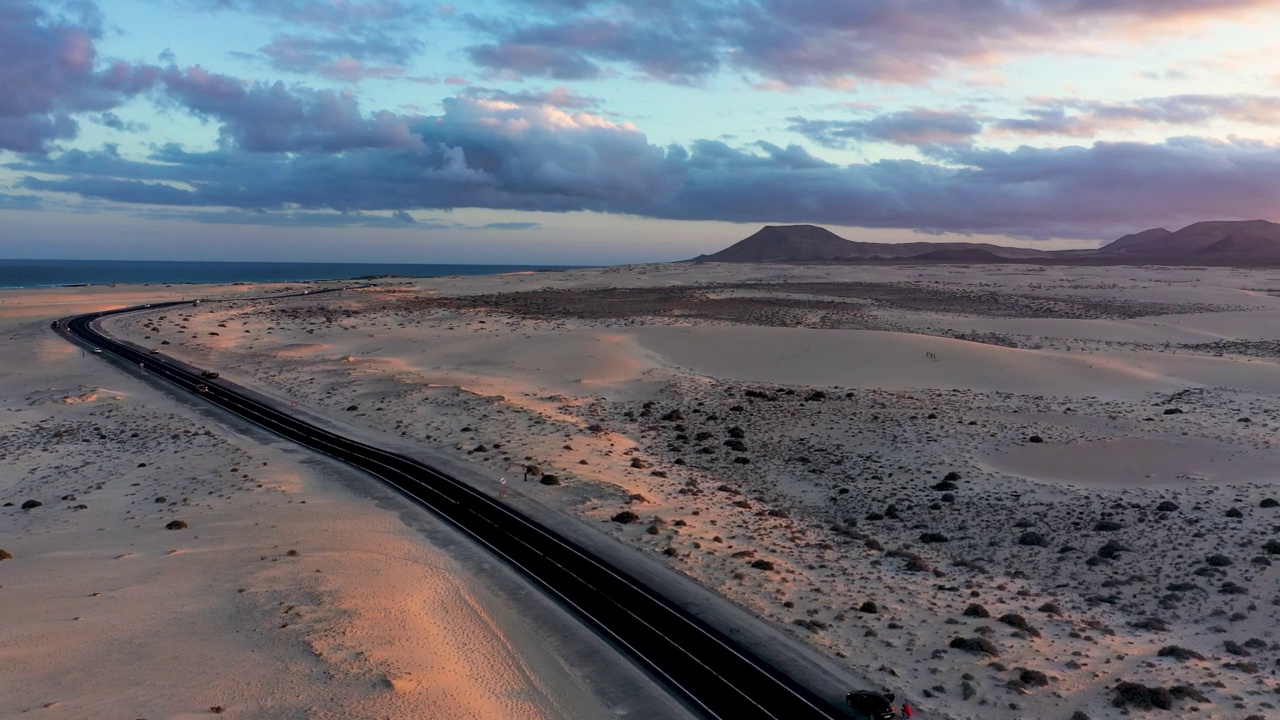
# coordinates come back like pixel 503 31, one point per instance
pixel 1001 491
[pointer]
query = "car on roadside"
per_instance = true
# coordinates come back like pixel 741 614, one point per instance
pixel 211 374
pixel 98 350
pixel 868 705
pixel 155 351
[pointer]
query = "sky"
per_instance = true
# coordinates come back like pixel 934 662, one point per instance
pixel 611 131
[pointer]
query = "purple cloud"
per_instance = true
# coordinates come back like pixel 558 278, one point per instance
pixel 345 58
pixel 272 118
pixel 49 71
pixel 488 153
pixel 806 41
pixel 1085 118
pixel 918 127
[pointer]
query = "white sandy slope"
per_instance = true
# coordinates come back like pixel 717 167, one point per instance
pixel 904 405
pixel 299 589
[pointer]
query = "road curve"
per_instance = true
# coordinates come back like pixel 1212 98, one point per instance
pixel 717 677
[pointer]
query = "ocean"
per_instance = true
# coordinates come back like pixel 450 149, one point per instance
pixel 63 273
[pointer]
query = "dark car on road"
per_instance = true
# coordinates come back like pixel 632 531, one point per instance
pixel 209 374
pixel 867 705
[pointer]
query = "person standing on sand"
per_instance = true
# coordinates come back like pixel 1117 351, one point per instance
pixel 906 709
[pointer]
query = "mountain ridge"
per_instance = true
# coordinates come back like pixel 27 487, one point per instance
pixel 1245 241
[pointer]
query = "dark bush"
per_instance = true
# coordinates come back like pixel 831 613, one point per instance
pixel 734 444
pixel 1218 560
pixel 1107 526
pixel 933 537
pixel 5 555
pixel 975 645
pixel 1051 608
pixel 625 517
pixel 977 611
pixel 1173 411
pixel 1154 624
pixel 868 607
pixel 176 525
pixel 1234 648
pixel 737 432
pixel 1035 439
pixel 1272 547
pixel 952 476
pixel 1142 697
pixel 1234 513
pixel 944 485
pixel 1032 538
pixel 1111 550
pixel 550 479
pixel 1017 621
pixel 1034 678
pixel 1269 503
pixel 1167 506
pixel 1179 653
pixel 30 504
pixel 762 565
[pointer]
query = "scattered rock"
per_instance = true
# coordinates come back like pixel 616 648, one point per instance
pixel 31 504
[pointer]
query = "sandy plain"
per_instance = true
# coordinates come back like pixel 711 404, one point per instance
pixel 1001 491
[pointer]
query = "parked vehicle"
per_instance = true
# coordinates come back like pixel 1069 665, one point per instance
pixel 211 374
pixel 867 705
pixel 202 388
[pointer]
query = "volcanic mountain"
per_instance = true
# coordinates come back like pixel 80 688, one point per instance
pixel 1218 242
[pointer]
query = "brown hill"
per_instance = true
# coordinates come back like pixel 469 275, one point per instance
pixel 1257 238
pixel 809 243
pixel 1216 242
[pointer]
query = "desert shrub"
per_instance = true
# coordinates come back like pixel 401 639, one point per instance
pixel 1111 550
pixel 1153 624
pixel 1234 648
pixel 933 537
pixel 176 525
pixel 762 564
pixel 1179 653
pixel 1034 678
pixel 1218 560
pixel 1167 506
pixel 1142 697
pixel 1107 526
pixel 868 607
pixel 1051 608
pixel 1017 621
pixel 1234 513
pixel 737 433
pixel 550 479
pixel 1033 538
pixel 5 555
pixel 1272 547
pixel 1269 503
pixel 1188 692
pixel 736 445
pixel 31 504
pixel 975 645
pixel 976 611
pixel 625 517
pixel 945 485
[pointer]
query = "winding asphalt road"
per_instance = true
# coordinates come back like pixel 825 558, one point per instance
pixel 717 677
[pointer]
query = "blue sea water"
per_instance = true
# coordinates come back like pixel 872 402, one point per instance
pixel 61 273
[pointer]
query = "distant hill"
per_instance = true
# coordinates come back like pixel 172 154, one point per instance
pixel 810 243
pixel 1217 237
pixel 1222 241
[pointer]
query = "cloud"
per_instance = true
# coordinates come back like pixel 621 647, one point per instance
pixel 326 14
pixel 274 118
pixel 560 97
pixel 374 55
pixel 294 152
pixel 810 41
pixel 49 71
pixel 919 127
pixel 1085 118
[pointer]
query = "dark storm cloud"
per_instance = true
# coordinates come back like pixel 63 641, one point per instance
pixel 486 153
pixel 910 127
pixel 49 71
pixel 805 41
pixel 274 118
